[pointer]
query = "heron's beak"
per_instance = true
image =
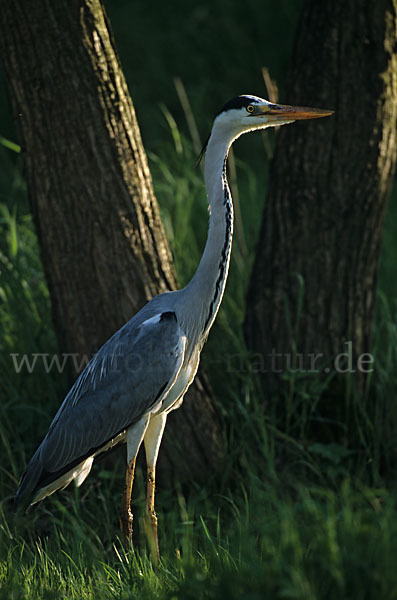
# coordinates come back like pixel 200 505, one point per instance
pixel 281 112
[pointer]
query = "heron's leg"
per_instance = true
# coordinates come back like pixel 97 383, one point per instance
pixel 134 439
pixel 152 441
pixel 125 513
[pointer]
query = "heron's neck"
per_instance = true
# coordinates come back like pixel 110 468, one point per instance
pixel 208 284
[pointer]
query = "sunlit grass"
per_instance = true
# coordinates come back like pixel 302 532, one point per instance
pixel 262 541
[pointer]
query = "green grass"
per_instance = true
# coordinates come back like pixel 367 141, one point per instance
pixel 288 516
pixel 262 541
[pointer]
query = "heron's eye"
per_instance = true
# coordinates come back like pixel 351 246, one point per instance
pixel 250 108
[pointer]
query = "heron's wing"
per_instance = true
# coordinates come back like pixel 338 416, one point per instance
pixel 128 378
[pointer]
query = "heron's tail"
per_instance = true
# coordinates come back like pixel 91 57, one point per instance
pixel 28 484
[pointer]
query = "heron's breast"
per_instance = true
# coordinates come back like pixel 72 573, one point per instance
pixel 185 377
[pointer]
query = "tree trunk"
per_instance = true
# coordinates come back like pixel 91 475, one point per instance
pixel 102 243
pixel 313 286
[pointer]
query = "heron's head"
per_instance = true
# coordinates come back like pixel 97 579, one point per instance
pixel 246 113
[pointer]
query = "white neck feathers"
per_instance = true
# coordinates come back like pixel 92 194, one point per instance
pixel 205 291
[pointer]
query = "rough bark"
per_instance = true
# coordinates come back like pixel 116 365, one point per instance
pixel 102 243
pixel 321 231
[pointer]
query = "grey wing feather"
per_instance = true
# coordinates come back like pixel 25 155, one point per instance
pixel 123 382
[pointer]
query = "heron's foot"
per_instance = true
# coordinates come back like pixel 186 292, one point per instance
pixel 126 520
pixel 152 536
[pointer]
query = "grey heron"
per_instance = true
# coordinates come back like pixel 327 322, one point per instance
pixel 143 371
